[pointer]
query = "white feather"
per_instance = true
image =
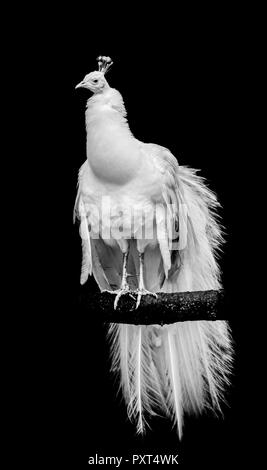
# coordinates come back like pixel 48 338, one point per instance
pixel 162 237
pixel 174 385
pixel 86 244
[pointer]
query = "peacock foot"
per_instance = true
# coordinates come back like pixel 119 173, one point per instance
pixel 140 292
pixel 119 292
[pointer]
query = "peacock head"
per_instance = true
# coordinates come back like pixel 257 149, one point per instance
pixel 95 81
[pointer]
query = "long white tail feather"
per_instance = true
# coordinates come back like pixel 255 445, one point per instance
pixel 192 360
pixel 174 396
pixel 184 367
pixel 138 399
pixel 124 340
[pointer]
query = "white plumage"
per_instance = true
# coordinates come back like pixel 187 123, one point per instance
pixel 172 369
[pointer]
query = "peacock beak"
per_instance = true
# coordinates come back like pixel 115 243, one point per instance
pixel 80 85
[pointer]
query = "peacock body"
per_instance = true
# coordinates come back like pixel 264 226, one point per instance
pixel 149 225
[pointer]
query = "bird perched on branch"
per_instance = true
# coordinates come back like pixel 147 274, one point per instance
pixel 149 225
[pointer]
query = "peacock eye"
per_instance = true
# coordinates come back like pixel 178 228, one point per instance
pixel 95 80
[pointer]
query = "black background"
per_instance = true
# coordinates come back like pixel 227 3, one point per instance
pixel 186 86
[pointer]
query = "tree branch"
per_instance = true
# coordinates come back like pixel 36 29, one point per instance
pixel 167 308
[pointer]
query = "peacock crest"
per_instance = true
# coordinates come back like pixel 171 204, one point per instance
pixel 104 63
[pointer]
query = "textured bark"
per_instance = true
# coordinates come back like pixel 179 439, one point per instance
pixel 167 308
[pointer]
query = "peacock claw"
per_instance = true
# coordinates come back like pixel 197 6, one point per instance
pixel 140 293
pixel 119 292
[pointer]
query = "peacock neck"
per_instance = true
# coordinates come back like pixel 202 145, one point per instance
pixel 112 151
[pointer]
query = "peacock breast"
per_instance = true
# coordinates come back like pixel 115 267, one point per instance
pixel 112 153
